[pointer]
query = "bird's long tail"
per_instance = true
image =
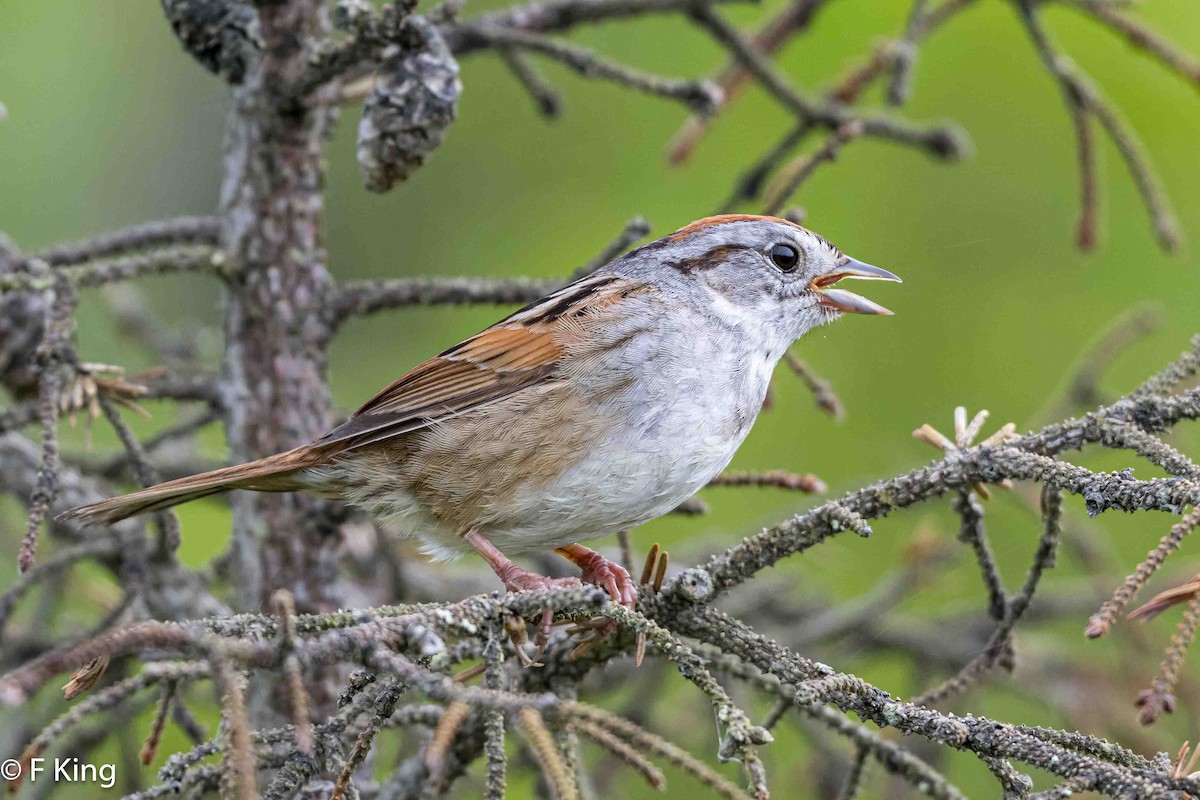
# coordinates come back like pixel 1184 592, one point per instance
pixel 277 473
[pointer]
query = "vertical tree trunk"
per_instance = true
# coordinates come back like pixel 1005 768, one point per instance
pixel 277 332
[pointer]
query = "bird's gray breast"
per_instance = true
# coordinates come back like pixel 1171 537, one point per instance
pixel 681 395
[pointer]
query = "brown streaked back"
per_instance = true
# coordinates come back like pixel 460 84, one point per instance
pixel 521 351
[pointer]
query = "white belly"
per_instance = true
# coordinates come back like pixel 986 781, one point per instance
pixel 679 426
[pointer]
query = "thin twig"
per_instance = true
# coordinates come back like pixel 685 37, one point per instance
pixel 1103 619
pixel 999 646
pixel 493 655
pixel 941 141
pixel 852 783
pixel 750 183
pixel 548 16
pixel 821 389
pixel 165 233
pixel 241 769
pixel 369 297
pixel 971 530
pixel 167 261
pixel 793 19
pixel 547 754
pixel 646 741
pixel 904 56
pixel 544 97
pixel 893 757
pixel 777 479
pixel 284 607
pixel 792 176
pixel 1159 698
pixel 444 734
pixel 635 229
pixel 1085 228
pixel 699 95
pixel 165 701
pixel 1079 90
pixel 167 521
pixel 624 753
pixel 359 298
pixel 385 706
pixel 1141 37
pixel 54 356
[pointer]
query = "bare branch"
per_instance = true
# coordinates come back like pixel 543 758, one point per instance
pixel 734 78
pixel 99 272
pixel 941 141
pixel 1079 90
pixel 165 233
pixel 1141 37
pixel 368 297
pixel 544 96
pixel 792 176
pixel 55 356
pixel 701 96
pixel 548 16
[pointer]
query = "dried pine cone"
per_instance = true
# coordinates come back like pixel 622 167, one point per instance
pixel 406 113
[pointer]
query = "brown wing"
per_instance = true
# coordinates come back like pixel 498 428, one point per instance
pixel 521 351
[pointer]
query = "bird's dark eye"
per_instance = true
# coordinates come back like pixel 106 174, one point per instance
pixel 786 257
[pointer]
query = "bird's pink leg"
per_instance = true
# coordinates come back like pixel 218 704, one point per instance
pixel 517 579
pixel 599 571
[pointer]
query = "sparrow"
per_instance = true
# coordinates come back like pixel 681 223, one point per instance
pixel 601 406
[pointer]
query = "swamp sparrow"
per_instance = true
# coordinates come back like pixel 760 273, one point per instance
pixel 599 407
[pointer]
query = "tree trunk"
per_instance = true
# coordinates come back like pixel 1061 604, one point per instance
pixel 277 329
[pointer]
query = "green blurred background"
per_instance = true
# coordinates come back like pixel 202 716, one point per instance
pixel 110 123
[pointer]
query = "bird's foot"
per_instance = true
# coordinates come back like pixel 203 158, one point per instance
pixel 609 576
pixel 599 571
pixel 520 580
pixel 517 579
pixel 653 575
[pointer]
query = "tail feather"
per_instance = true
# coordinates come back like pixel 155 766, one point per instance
pixel 271 474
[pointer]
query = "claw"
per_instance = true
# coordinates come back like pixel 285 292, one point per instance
pixel 648 568
pixel 515 628
pixel 525 660
pixel 582 648
pixel 543 636
pixel 660 571
pixel 588 626
pixel 599 571
pixel 653 574
pixel 612 578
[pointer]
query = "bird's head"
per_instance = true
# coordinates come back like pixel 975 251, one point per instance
pixel 761 271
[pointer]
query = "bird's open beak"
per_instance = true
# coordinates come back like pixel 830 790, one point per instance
pixel 850 302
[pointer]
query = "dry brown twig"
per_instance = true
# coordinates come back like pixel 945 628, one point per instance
pixel 1087 103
